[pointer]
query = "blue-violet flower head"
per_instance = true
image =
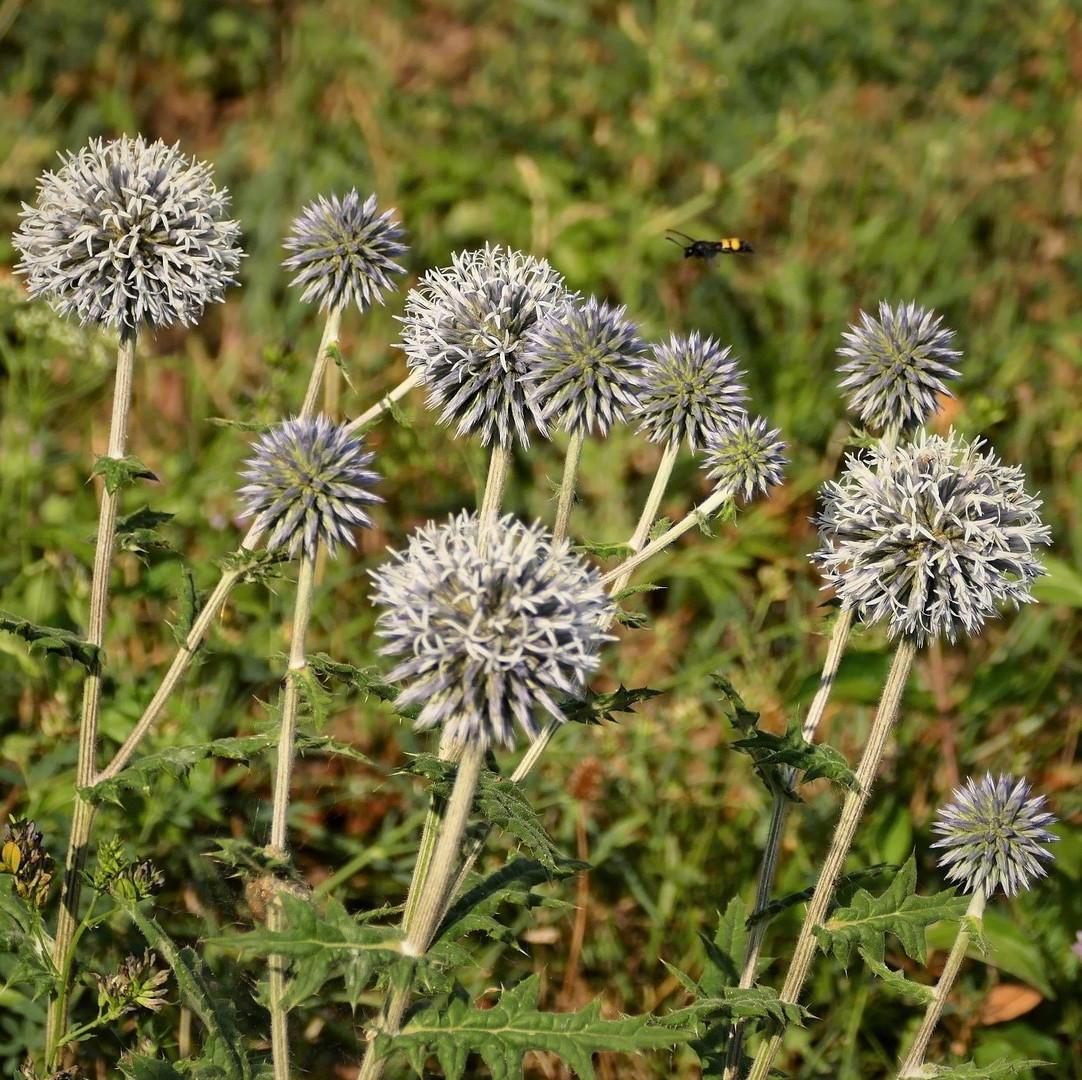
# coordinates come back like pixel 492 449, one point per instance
pixel 308 484
pixel 493 629
pixel 344 251
pixel 464 329
pixel 746 458
pixel 994 836
pixel 691 390
pixel 583 366
pixel 128 233
pixel 933 536
pixel 896 366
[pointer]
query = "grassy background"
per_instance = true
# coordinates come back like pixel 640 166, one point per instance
pixel 893 149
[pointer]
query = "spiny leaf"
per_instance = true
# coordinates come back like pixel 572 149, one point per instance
pixel 188 604
pixel 335 353
pixel 50 639
pixel 239 425
pixel 254 567
pixel 502 804
pixel 792 749
pixel 783 903
pixel 898 911
pixel 602 551
pixel 324 944
pixel 225 1045
pixel 726 952
pixel 177 761
pixel 898 984
pixel 361 680
pixel 598 707
pixel 454 1028
pixel 736 1003
pixel 141 1067
pixel 138 532
pixel 997 1070
pixel 120 472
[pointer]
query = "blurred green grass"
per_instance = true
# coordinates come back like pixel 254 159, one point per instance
pixel 895 149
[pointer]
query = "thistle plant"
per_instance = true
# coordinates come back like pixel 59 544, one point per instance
pixel 308 486
pixel 126 234
pixel 691 392
pixel 933 538
pixel 464 332
pixel 897 366
pixel 583 366
pixel 993 838
pixel 343 252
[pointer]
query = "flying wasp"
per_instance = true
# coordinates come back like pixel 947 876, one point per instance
pixel 707 249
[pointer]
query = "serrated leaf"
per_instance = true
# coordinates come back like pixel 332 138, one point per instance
pixel 454 1028
pixel 726 952
pixel 595 708
pixel 362 680
pixel 254 567
pixel 898 984
pixel 995 1071
pixel 177 761
pixel 225 1046
pixel 50 639
pixel 138 532
pixel 121 472
pixel 865 923
pixel 141 1067
pixel 324 944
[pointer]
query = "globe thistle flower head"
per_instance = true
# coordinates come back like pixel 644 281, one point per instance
pixel 583 365
pixel 896 366
pixel 128 233
pixel 344 252
pixel 308 484
pixel 491 632
pixel 746 458
pixel 934 537
pixel 464 329
pixel 691 391
pixel 994 836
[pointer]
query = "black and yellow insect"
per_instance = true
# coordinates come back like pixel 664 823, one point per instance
pixel 707 249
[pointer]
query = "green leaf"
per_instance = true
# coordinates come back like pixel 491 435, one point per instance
pixel 335 353
pixel 598 707
pixel 898 911
pixel 141 1067
pixel 225 1045
pixel 362 680
pixel 177 761
pixel 324 945
pixel 970 1071
pixel 1062 583
pixel 49 639
pixel 602 551
pixel 24 940
pixel 138 532
pixel 254 567
pixel 120 472
pixel 239 425
pixel 454 1028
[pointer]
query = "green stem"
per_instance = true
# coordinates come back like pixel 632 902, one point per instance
pixel 287 739
pixel 852 809
pixel 914 1060
pixel 86 767
pixel 499 465
pixel 319 376
pixel 567 485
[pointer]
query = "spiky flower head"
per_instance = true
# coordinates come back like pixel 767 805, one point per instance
pixel 691 390
pixel 746 458
pixel 933 536
pixel 307 485
pixel 583 366
pixel 128 233
pixel 136 984
pixel 994 836
pixel 895 366
pixel 23 856
pixel 493 628
pixel 345 251
pixel 464 328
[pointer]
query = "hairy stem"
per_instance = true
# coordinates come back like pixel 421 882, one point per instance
pixel 914 1060
pixel 852 809
pixel 320 377
pixel 568 483
pixel 86 767
pixel 384 404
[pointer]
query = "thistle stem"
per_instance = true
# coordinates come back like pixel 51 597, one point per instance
pixel 319 380
pixel 85 770
pixel 385 403
pixel 283 773
pixel 778 817
pixel 421 929
pixel 914 1060
pixel 499 465
pixel 567 485
pixel 852 809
